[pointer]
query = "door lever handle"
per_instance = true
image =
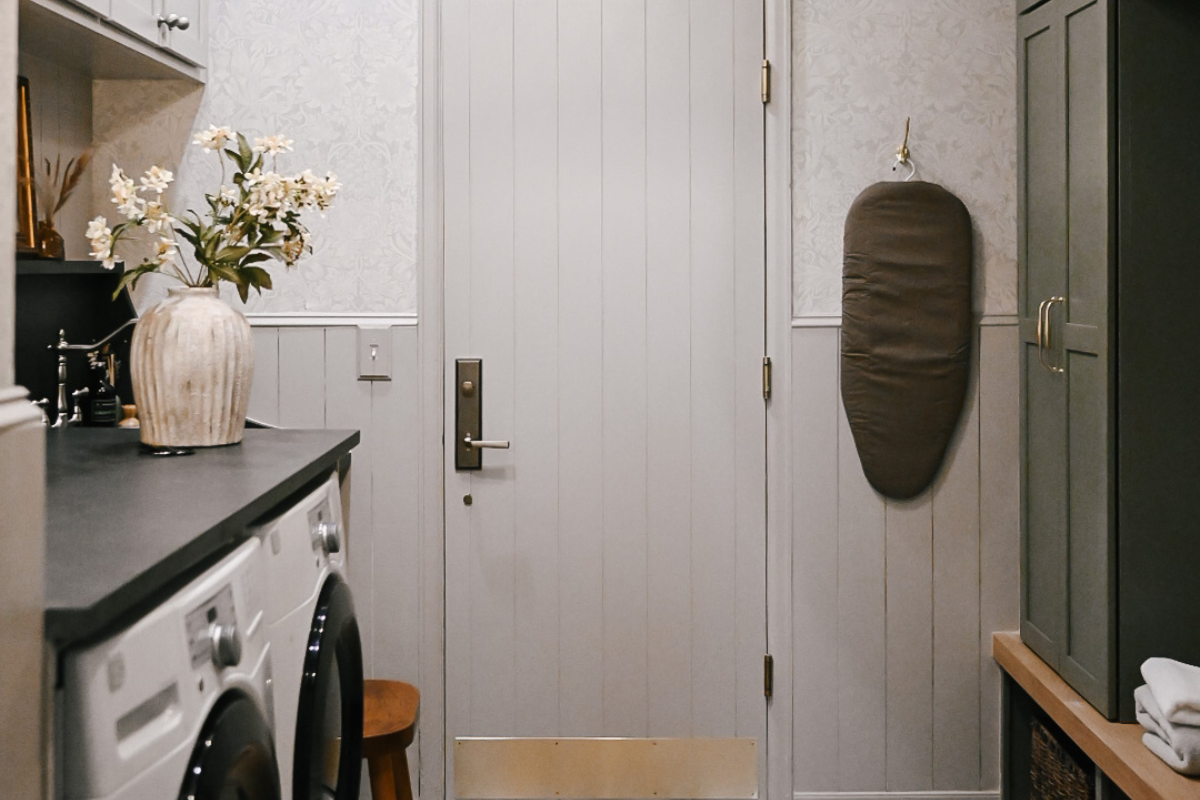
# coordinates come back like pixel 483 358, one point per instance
pixel 498 444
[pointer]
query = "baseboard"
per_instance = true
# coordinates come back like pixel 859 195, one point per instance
pixel 896 795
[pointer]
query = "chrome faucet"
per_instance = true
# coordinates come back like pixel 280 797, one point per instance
pixel 64 414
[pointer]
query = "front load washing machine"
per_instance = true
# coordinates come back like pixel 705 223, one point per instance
pixel 317 651
pixel 178 704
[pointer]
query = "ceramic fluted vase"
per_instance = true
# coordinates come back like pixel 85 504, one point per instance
pixel 192 361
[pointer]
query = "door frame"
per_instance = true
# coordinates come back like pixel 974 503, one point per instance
pixel 431 777
pixel 777 129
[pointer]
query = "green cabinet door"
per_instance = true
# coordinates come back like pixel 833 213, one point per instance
pixel 1065 253
pixel 1088 648
pixel 1042 253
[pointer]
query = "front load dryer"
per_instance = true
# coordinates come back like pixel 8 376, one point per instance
pixel 178 704
pixel 317 650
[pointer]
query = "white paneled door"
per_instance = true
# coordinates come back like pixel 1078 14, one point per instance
pixel 604 258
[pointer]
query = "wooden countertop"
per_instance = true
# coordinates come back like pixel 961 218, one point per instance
pixel 1116 749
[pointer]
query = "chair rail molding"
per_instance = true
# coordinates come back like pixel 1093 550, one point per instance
pixel 835 320
pixel 896 796
pixel 322 319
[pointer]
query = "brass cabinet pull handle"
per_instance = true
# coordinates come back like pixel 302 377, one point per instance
pixel 1050 332
pixel 1041 334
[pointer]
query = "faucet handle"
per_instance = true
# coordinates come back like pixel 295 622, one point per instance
pixel 42 405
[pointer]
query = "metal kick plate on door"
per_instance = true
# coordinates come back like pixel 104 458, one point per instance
pixel 468 414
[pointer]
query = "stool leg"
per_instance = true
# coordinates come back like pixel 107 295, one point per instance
pixel 383 782
pixel 400 770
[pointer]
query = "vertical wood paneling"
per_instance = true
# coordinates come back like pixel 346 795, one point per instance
pixel 348 404
pixel 623 250
pixel 949 581
pixel 668 435
pixel 536 323
pixel 456 114
pixel 580 440
pixel 393 436
pixel 999 603
pixel 301 377
pixel 493 665
pixel 264 389
pixel 862 618
pixel 750 434
pixel 956 603
pixel 909 718
pixel 713 352
pixel 383 529
pixel 617 365
pixel 816 677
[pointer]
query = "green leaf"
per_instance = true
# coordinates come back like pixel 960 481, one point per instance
pixel 244 291
pixel 245 151
pixel 233 254
pixel 256 258
pixel 224 273
pixel 257 277
pixel 189 236
pixel 132 276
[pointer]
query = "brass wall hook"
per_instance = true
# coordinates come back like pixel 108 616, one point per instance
pixel 903 158
pixel 902 150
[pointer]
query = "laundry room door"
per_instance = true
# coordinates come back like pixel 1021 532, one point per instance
pixel 604 263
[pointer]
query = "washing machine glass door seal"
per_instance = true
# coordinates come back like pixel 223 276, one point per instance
pixel 235 755
pixel 328 754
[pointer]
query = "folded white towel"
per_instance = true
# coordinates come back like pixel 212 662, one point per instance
pixel 1176 688
pixel 1178 745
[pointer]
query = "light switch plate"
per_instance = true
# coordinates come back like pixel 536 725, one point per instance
pixel 374 353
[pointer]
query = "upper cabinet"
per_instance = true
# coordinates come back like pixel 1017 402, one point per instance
pixel 139 17
pixel 177 26
pixel 184 27
pixel 100 7
pixel 119 39
pixel 1109 199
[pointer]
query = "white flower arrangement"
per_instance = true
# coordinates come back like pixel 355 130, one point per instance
pixel 253 219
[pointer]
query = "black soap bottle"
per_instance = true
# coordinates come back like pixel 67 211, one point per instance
pixel 102 407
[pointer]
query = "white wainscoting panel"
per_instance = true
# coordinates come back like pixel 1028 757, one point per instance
pixel 307 377
pixel 893 603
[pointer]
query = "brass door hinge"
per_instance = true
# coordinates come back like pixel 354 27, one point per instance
pixel 766 81
pixel 768 675
pixel 766 378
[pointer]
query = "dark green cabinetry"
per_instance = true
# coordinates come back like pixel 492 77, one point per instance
pixel 1109 304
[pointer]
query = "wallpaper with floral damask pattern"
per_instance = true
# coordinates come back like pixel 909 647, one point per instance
pixel 859 68
pixel 337 76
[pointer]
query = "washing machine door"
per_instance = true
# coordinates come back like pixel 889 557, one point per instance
pixel 235 756
pixel 328 754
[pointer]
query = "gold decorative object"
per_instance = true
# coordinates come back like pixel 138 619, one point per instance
pixel 54 187
pixel 26 204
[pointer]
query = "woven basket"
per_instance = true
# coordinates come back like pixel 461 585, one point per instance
pixel 1055 774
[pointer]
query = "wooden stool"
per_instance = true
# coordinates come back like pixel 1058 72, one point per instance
pixel 390 710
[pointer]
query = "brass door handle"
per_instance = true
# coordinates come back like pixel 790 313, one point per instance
pixel 1041 334
pixel 1050 331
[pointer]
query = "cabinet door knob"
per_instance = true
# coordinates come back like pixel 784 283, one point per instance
pixel 174 21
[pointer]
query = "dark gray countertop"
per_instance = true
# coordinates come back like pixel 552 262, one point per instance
pixel 123 529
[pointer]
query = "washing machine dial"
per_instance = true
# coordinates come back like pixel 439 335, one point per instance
pixel 226 645
pixel 328 536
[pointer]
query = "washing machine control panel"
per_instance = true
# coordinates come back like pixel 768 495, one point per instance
pixel 326 532
pixel 212 632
